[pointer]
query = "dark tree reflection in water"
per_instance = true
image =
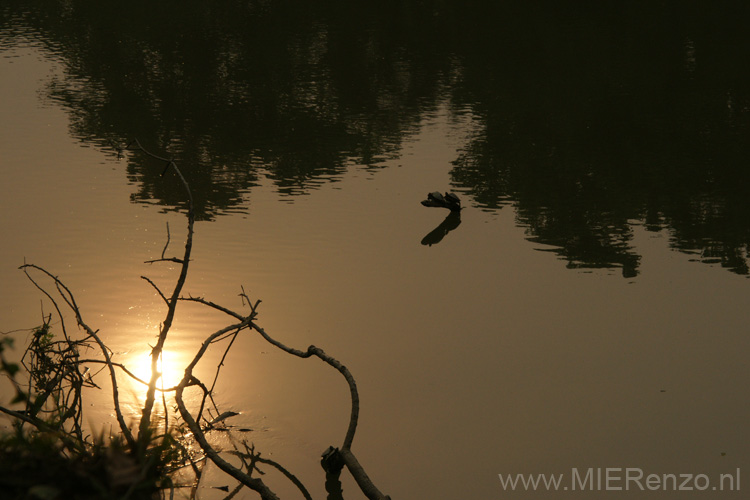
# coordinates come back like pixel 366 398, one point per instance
pixel 590 128
pixel 591 120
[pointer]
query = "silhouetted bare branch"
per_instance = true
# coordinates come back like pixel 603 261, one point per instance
pixel 69 299
pixel 334 459
pixel 156 352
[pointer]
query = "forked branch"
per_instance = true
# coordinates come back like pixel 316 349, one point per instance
pixel 143 428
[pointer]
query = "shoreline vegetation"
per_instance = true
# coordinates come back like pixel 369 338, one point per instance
pixel 47 454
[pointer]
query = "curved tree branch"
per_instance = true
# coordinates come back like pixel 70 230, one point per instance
pixel 346 454
pixel 253 483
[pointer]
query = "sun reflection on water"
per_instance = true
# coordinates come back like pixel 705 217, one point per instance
pixel 171 365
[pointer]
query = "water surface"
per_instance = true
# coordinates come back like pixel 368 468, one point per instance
pixel 588 311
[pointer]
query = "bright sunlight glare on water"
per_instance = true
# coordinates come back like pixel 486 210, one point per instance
pixel 171 365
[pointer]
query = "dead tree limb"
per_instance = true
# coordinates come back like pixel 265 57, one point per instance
pixel 255 484
pixel 143 428
pixel 346 455
pixel 351 462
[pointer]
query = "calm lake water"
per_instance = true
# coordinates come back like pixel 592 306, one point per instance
pixel 589 308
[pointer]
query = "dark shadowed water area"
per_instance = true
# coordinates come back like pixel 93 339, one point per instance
pixel 588 308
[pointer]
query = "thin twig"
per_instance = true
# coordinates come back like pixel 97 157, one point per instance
pixel 167 259
pixel 164 250
pixel 223 357
pixel 69 299
pixel 166 301
pixel 213 305
pixel 54 303
pixel 257 458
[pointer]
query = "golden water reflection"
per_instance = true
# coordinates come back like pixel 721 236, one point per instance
pixel 171 365
pixel 475 356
